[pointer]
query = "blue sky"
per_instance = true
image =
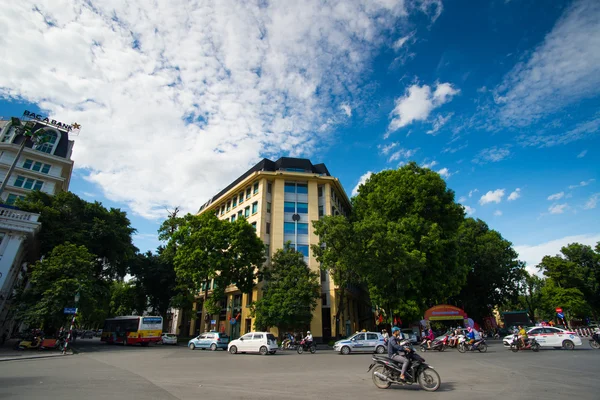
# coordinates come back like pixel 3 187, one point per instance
pixel 501 97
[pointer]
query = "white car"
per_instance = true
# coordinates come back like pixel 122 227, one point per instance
pixel 168 338
pixel 254 342
pixel 548 336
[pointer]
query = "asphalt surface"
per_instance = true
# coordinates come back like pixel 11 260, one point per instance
pixel 101 371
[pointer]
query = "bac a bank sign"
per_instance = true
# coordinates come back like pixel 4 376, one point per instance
pixel 52 122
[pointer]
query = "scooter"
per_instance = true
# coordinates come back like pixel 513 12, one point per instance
pixel 303 346
pixel 595 341
pixel 29 344
pixel 479 345
pixel 530 344
pixel 439 345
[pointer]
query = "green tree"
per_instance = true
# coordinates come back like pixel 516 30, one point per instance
pixel 408 222
pixel 290 292
pixel 339 253
pixel 126 298
pixel 206 248
pixel 67 218
pixel 68 269
pixel 532 296
pixel 495 272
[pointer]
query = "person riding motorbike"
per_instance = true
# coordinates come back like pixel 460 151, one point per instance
pixel 470 336
pixel 308 339
pixel 523 335
pixel 430 337
pixel 397 351
pixel 596 335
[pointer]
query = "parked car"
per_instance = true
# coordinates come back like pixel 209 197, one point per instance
pixel 99 333
pixel 362 342
pixel 88 334
pixel 409 334
pixel 168 338
pixel 548 336
pixel 254 342
pixel 209 340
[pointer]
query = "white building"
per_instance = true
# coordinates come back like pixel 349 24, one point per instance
pixel 46 167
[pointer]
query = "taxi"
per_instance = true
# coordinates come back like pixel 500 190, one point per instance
pixel 548 336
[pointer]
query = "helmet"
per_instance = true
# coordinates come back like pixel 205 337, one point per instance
pixel 469 329
pixel 395 329
pixel 308 332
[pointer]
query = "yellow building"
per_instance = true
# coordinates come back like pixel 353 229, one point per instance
pixel 280 199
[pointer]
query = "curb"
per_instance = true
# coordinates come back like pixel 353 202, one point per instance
pixel 32 357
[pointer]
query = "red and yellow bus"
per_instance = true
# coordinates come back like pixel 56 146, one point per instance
pixel 132 329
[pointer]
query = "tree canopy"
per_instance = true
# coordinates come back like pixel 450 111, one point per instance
pixel 289 294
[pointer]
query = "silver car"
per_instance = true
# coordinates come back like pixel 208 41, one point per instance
pixel 363 342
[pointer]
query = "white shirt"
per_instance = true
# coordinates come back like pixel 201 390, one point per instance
pixel 309 337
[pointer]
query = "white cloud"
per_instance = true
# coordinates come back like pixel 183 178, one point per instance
pixel 177 98
pixel 346 109
pixel 582 154
pixel 402 153
pixel 89 194
pixel 438 123
pixel 400 42
pixel 582 184
pixel 515 195
pixel 430 164
pixel 558 208
pixel 497 213
pixel 592 202
pixel 361 181
pixel 582 130
pixel 469 210
pixel 462 199
pixel 556 196
pixel 385 149
pixel 433 8
pixel 492 197
pixel 472 192
pixel 533 254
pixel 563 69
pixel 445 173
pixel 418 102
pixel 492 154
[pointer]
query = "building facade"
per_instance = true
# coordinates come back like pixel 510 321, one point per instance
pixel 46 167
pixel 281 199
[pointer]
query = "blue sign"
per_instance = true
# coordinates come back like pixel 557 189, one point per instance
pixel 70 311
pixel 232 321
pixel 560 315
pixel 213 321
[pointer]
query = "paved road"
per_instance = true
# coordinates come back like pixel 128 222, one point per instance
pixel 107 372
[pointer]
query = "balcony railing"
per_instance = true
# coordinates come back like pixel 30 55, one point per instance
pixel 17 215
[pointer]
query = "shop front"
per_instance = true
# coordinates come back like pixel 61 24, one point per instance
pixel 446 313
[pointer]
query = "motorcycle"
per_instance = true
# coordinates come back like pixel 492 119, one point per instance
pixel 288 345
pixel 304 346
pixel 595 341
pixel 479 345
pixel 530 344
pixel 28 344
pixel 387 371
pixel 439 345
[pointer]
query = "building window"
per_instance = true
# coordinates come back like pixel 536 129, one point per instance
pixel 268 207
pixel 320 211
pixel 254 225
pixel 293 187
pixel 302 248
pixel 241 197
pixel 255 207
pixel 269 188
pixel 268 228
pixel 234 202
pixel 247 193
pixel 249 298
pixel 323 275
pixel 320 191
pixel 248 325
pixel 38 185
pixel 289 207
pixel 228 206
pixel 19 181
pixel 12 198
pixel 268 250
pixel 233 218
pixel 36 166
pixel 289 227
pixel 295 169
pixel 240 214
pixel 302 208
pixel 222 210
pixel 290 187
pixel 302 188
pixel 51 141
pixel 255 189
pixel 302 229
pixel 247 211
pixel 324 299
pixel 46 168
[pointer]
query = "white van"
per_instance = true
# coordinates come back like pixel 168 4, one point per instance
pixel 254 342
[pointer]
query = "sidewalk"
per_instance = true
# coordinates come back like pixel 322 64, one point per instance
pixel 8 353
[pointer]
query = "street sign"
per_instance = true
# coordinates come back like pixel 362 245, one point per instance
pixel 558 309
pixel 70 311
pixel 560 315
pixel 232 321
pixel 213 321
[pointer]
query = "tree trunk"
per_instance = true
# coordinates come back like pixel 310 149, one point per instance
pixel 338 312
pixel 207 315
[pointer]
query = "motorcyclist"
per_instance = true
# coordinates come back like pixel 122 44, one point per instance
pixel 397 351
pixel 430 337
pixel 596 335
pixel 470 336
pixel 308 340
pixel 523 335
